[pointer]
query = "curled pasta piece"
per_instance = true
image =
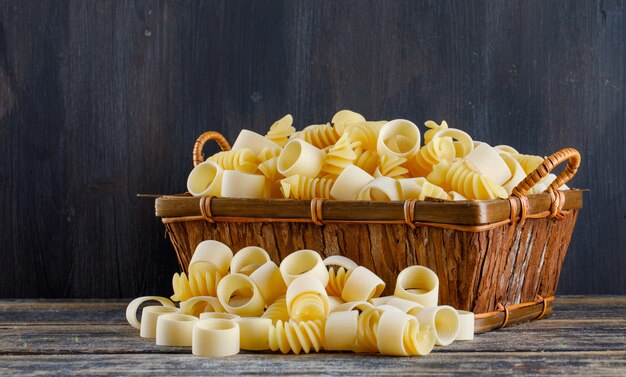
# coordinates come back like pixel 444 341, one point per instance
pixel 133 306
pixel 205 179
pixel 277 311
pixel 341 331
pixel 202 281
pixel 218 315
pixel 420 189
pixel 399 137
pixel 281 130
pixel 340 261
pixel 506 149
pixel 381 189
pixel 489 163
pixel 236 184
pixel 406 306
pixel 367 159
pixel 517 172
pixel 337 281
pixel 334 302
pixel 149 318
pixel 433 127
pixel 242 160
pixel 466 325
pixel 464 144
pixel 455 196
pixel 251 140
pixel 214 252
pixel 344 118
pixel 270 281
pixel 297 336
pixel 361 285
pixel 339 156
pixel 441 148
pixel 461 177
pixel 398 334
pixel 250 301
pixel 300 187
pixel 254 333
pixel 248 259
pixel 378 301
pixel 444 320
pixel 528 162
pixel 418 284
pixel 307 299
pixel 365 134
pixel 301 263
pixel 201 304
pixel 269 169
pixel 319 135
pixel 367 340
pixel 300 158
pixel 215 338
pixel 175 329
pixel 349 183
pixel 391 166
pixel 267 154
pixel 359 306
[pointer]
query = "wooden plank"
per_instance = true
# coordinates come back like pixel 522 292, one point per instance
pixel 514 364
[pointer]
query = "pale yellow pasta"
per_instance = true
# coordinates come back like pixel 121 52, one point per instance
pixel 219 315
pixel 307 299
pixel 341 331
pixel 175 329
pixel 489 163
pixel 367 159
pixel 466 325
pixel 361 285
pixel 517 172
pixel 270 281
pixel 461 177
pixel 365 133
pixel 529 162
pixel 366 340
pixel 334 302
pixel 268 153
pixel 205 180
pixel 339 156
pixel 319 135
pixel 242 160
pixel 382 300
pixel 269 168
pixel 214 252
pixel 441 148
pixel 297 337
pixel 251 140
pixel 444 320
pixel 433 127
pixel 248 259
pixel 406 306
pixel 349 183
pixel 202 281
pixel 340 261
pixel 381 189
pixel 201 304
pixel 133 306
pixel 299 187
pixel 277 311
pixel 389 142
pixel 420 189
pixel 337 280
pixel 506 149
pixel 254 333
pixel 149 317
pixel 391 166
pixel 343 118
pixel 398 334
pixel 300 158
pixel 216 338
pixel 418 284
pixel 464 143
pixel 236 184
pixel 359 306
pixel 249 299
pixel 281 130
pixel 455 196
pixel 304 263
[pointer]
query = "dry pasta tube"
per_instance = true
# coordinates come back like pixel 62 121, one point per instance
pixel 406 306
pixel 270 281
pixel 394 327
pixel 362 285
pixel 205 179
pixel 377 301
pixel 307 299
pixel 216 315
pixel 359 306
pixel 466 325
pixel 249 259
pixel 517 172
pixel 133 306
pixel 175 330
pixel 366 340
pixel 386 307
pixel 297 336
pixel 201 304
pixel 489 163
pixel 381 189
pixel 343 118
pixel 250 301
pixel 341 330
pixel 340 261
pixel 349 183
pixel 303 262
pixel 213 252
pixel 464 144
pixel 300 158
pixel 423 282
pixel 455 196
pixel 254 333
pixel 389 134
pixel 149 317
pixel 236 184
pixel 215 338
pixel 334 302
pixel 281 130
pixel 253 141
pixel 444 320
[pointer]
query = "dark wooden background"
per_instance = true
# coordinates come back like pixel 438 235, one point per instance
pixel 101 100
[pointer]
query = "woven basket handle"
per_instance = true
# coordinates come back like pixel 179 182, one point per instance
pixel 570 155
pixel 198 155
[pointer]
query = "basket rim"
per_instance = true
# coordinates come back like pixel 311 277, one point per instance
pixel 183 207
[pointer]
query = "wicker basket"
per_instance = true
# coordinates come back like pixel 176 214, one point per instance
pixel 500 259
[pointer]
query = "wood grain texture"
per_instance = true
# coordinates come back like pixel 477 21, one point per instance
pixel 101 100
pixel 586 335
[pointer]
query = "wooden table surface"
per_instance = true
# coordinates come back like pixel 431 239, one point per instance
pixel 586 335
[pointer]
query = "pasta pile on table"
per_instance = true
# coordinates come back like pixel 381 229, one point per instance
pixel 351 158
pixel 307 304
